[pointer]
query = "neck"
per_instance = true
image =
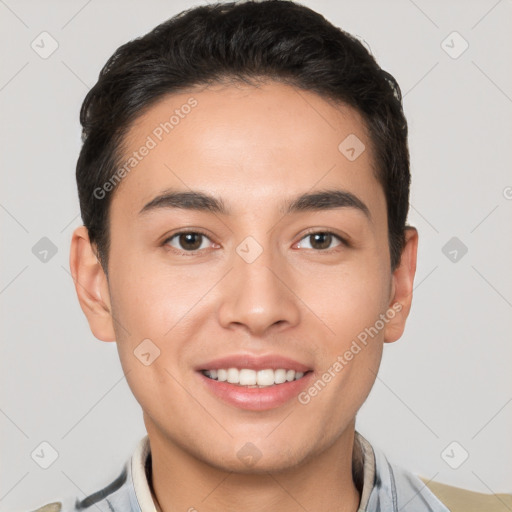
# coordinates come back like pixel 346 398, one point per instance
pixel 332 480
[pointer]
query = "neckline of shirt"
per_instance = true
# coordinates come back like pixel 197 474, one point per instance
pixel 141 472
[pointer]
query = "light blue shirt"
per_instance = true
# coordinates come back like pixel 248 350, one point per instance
pixel 386 488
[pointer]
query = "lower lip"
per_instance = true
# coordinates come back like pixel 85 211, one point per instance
pixel 256 399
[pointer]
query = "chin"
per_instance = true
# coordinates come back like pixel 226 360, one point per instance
pixel 248 459
pixel 262 466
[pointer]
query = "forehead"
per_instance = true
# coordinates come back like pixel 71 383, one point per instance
pixel 249 145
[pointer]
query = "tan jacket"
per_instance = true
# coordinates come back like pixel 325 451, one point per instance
pixel 462 500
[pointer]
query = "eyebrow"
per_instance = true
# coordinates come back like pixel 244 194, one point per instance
pixel 313 201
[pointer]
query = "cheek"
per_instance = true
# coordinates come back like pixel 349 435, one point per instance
pixel 350 352
pixel 149 314
pixel 151 298
pixel 156 302
pixel 348 300
pixel 352 302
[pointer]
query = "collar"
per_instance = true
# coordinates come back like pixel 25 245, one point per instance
pixel 363 455
pixel 384 487
pixel 368 460
pixel 141 474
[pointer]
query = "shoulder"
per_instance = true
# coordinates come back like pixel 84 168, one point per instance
pixel 400 489
pixel 397 489
pixel 117 496
pixel 463 500
pixel 50 507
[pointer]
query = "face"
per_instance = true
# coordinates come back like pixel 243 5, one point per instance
pixel 222 279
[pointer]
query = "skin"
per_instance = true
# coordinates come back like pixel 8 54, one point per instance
pixel 254 148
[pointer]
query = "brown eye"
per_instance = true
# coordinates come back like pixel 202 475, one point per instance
pixel 187 241
pixel 321 240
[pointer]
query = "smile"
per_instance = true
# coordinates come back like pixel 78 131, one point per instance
pixel 253 378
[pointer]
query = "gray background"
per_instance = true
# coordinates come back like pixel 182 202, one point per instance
pixel 448 379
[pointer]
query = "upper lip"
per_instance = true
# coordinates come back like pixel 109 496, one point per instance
pixel 252 362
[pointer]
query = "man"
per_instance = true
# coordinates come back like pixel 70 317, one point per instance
pixel 244 183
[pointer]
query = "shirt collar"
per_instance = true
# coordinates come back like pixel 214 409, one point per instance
pixel 141 472
pixel 368 457
pixel 141 467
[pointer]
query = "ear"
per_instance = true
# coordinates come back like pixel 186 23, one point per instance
pixel 401 288
pixel 91 285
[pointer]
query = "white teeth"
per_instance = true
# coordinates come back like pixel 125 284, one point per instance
pixel 265 377
pixel 233 376
pixel 247 377
pixel 253 378
pixel 280 376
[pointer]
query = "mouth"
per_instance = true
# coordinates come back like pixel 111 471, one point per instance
pixel 249 378
pixel 255 383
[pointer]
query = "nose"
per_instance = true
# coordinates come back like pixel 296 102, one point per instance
pixel 258 296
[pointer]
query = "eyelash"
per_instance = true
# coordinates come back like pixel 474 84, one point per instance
pixel 199 232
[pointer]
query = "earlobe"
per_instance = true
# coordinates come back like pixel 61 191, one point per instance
pixel 91 285
pixel 402 287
